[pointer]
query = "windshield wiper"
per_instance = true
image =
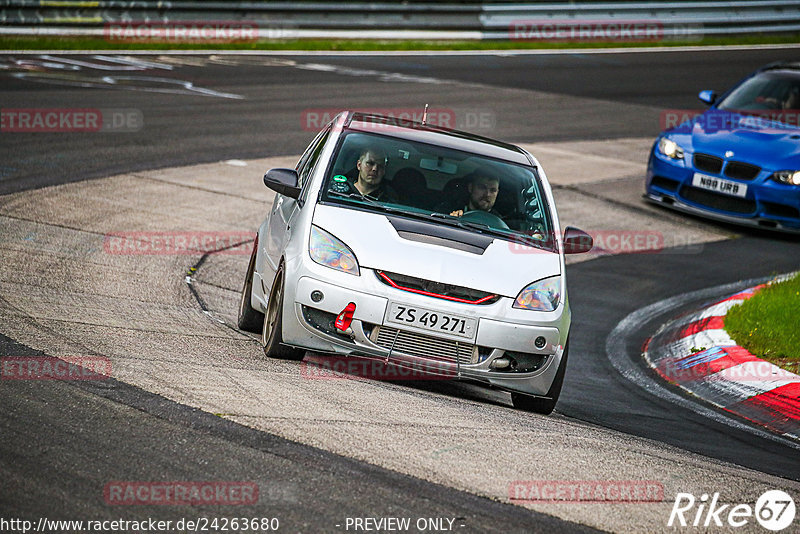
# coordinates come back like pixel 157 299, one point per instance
pixel 456 221
pixel 353 195
pixel 509 234
pixel 368 200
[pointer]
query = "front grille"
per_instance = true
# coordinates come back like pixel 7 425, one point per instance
pixel 423 346
pixel 781 210
pixel 717 201
pixel 741 171
pixel 436 289
pixel 665 183
pixel 706 163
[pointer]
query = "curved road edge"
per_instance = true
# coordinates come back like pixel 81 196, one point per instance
pixel 618 339
pixel 693 352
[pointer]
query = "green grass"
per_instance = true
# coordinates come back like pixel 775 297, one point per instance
pixel 86 43
pixel 767 324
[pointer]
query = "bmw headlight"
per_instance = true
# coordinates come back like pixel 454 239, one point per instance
pixel 330 252
pixel 670 148
pixel 787 177
pixel 543 295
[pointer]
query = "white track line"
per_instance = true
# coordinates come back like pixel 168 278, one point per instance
pixel 616 350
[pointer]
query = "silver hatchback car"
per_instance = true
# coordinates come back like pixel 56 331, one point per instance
pixel 419 246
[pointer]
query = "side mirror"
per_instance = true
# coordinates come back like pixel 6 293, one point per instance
pixel 577 241
pixel 283 181
pixel 708 96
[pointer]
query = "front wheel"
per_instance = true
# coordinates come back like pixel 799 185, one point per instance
pixel 271 337
pixel 543 405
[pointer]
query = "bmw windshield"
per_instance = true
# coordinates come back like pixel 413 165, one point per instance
pixel 774 94
pixel 441 185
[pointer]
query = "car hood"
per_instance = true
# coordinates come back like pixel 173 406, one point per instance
pixel 756 140
pixel 504 268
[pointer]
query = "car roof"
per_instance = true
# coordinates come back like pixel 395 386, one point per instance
pixel 436 135
pixel 788 67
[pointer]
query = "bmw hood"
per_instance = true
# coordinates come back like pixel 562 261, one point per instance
pixel 503 268
pixel 752 139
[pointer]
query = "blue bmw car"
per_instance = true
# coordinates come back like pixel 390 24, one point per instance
pixel 739 161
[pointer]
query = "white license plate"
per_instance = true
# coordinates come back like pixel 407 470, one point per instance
pixel 431 320
pixel 719 185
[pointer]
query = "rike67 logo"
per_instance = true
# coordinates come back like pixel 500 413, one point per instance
pixel 774 510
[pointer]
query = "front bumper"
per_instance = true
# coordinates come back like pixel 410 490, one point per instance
pixel 500 333
pixel 767 205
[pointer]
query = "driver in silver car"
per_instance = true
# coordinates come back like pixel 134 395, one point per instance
pixel 482 189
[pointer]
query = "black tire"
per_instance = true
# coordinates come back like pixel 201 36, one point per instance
pixel 543 405
pixel 250 319
pixel 271 337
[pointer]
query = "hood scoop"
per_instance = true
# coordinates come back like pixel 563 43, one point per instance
pixel 440 235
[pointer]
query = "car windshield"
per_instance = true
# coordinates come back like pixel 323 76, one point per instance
pixel 440 185
pixel 766 92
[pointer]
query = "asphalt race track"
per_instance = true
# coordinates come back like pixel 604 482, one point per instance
pixel 182 129
pixel 192 399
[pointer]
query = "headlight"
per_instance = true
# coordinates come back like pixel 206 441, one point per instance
pixel 543 295
pixel 787 177
pixel 330 252
pixel 670 148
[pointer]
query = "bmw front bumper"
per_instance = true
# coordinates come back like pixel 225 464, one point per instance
pixel 767 205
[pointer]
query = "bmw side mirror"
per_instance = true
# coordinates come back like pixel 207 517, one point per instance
pixel 708 96
pixel 283 181
pixel 577 241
